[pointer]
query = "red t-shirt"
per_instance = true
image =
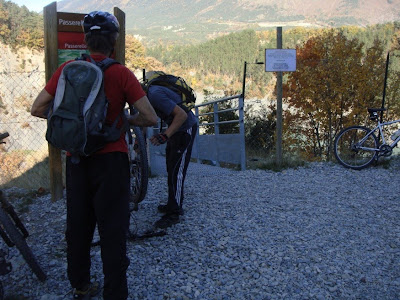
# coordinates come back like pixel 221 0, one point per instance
pixel 120 85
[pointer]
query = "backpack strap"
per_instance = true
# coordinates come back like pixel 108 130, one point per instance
pixel 105 63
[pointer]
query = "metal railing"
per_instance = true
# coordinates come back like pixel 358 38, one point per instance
pixel 211 145
pixel 221 147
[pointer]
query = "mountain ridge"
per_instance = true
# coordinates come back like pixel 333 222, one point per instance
pixel 365 11
pixel 211 16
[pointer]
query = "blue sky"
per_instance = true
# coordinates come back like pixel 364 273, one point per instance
pixel 34 5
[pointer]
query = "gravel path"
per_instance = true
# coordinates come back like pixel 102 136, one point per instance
pixel 317 232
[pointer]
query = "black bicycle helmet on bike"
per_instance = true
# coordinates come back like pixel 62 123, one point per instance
pixel 100 22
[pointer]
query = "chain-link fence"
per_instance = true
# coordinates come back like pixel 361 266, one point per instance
pixel 24 157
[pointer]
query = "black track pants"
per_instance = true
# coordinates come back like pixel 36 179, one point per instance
pixel 178 153
pixel 98 193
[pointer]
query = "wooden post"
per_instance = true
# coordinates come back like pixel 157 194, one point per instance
pixel 120 46
pixel 51 64
pixel 279 104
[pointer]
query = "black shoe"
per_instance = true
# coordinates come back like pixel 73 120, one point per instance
pixel 167 221
pixel 88 292
pixel 163 208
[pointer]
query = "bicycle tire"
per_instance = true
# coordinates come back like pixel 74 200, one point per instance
pixel 4 135
pixel 21 245
pixel 348 154
pixel 9 209
pixel 138 165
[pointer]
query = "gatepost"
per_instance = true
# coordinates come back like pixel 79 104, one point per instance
pixel 63 41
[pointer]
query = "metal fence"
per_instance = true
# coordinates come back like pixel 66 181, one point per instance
pixel 24 157
pixel 221 146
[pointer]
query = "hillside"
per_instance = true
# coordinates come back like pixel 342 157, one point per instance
pixel 142 14
pixel 198 20
pixel 22 61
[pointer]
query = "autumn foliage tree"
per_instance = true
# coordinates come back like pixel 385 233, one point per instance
pixel 336 80
pixel 393 90
pixel 135 56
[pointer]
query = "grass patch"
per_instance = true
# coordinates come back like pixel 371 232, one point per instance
pixel 272 165
pixel 386 162
pixel 23 199
pixel 25 169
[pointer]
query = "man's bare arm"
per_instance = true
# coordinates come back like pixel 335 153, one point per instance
pixel 179 117
pixel 41 105
pixel 146 115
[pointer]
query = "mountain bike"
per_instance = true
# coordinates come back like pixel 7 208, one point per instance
pixel 357 147
pixel 139 171
pixel 14 233
pixel 138 164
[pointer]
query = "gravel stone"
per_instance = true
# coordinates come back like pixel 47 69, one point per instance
pixel 315 232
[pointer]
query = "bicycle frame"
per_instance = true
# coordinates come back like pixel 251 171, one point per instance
pixel 379 127
pixel 14 233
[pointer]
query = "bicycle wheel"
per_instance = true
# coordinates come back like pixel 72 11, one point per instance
pixel 350 152
pixel 138 164
pixel 22 246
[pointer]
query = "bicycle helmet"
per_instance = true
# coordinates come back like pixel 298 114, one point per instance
pixel 100 22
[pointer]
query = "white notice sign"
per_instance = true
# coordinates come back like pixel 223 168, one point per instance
pixel 280 60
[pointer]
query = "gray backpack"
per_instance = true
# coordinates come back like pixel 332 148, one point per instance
pixel 76 122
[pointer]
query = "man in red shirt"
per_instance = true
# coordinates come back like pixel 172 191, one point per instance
pixel 98 186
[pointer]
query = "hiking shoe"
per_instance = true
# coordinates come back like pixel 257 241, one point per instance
pixel 167 221
pixel 88 292
pixel 162 208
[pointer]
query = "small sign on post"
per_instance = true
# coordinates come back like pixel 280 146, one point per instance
pixel 280 60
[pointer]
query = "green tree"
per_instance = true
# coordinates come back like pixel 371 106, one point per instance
pixel 260 128
pixel 20 27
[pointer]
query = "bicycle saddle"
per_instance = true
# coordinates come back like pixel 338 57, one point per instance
pixel 372 110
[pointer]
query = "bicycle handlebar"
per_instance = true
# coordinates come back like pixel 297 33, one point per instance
pixel 3 135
